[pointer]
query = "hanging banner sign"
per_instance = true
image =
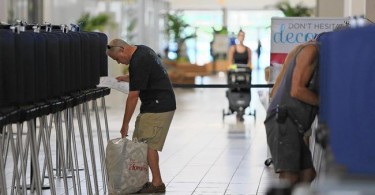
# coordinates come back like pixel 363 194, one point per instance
pixel 287 32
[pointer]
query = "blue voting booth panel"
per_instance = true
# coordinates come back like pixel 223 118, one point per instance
pixel 348 97
pixel 38 67
pixel 40 44
pixel 324 72
pixel 64 62
pixel 76 62
pixel 103 56
pixel 53 69
pixel 94 62
pixel 25 67
pixel 85 59
pixel 8 72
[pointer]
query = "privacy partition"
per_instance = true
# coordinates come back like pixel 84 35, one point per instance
pixel 48 76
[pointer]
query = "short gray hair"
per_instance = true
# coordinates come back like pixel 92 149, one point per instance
pixel 118 43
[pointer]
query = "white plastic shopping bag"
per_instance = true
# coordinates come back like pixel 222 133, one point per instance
pixel 127 166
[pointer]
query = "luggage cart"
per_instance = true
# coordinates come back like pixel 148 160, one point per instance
pixel 239 97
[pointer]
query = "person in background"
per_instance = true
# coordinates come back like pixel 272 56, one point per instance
pixel 149 82
pixel 259 51
pixel 291 112
pixel 239 53
pixel 232 39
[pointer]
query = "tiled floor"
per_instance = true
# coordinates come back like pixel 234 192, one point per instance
pixel 203 153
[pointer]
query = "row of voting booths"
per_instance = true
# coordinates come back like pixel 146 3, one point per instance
pixel 343 132
pixel 49 75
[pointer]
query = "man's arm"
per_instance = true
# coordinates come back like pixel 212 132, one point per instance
pixel 249 58
pixel 302 74
pixel 279 77
pixel 230 55
pixel 124 78
pixel 131 103
pixel 281 74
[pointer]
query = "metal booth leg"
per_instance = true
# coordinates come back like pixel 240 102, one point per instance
pixel 60 142
pixel 101 146
pixel 105 117
pixel 34 156
pixel 45 136
pixel 3 187
pixel 74 149
pixel 82 136
pixel 91 144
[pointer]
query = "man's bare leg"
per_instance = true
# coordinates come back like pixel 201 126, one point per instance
pixel 153 162
pixel 291 177
pixel 307 175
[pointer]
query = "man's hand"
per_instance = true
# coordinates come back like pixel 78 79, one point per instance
pixel 124 131
pixel 124 78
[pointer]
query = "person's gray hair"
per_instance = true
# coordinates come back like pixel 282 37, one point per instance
pixel 116 45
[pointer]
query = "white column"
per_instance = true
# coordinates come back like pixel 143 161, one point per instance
pixel 309 3
pixel 3 11
pixel 359 7
pixel 348 8
pixel 47 11
pixel 331 8
pixel 341 8
pixel 354 7
pixel 225 16
pixel 370 7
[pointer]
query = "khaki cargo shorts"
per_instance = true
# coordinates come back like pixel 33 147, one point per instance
pixel 153 128
pixel 288 150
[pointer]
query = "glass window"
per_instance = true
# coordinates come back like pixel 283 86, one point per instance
pixel 202 22
pixel 255 23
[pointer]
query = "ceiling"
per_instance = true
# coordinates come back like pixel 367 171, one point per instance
pixel 231 4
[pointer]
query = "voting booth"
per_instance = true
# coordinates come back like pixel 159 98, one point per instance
pixel 48 76
pixel 347 97
pixel 342 138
